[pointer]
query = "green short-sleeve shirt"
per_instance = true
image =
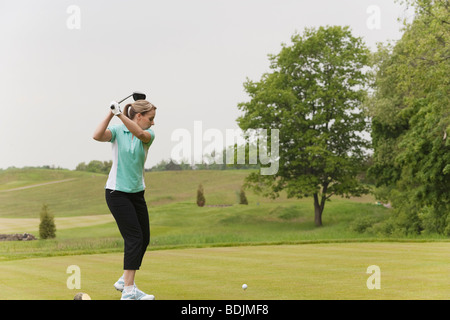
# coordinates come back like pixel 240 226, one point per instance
pixel 129 155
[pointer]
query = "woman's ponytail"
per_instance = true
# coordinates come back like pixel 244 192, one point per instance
pixel 129 112
pixel 139 106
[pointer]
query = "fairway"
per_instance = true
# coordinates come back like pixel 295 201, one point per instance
pixel 295 272
pixel 11 225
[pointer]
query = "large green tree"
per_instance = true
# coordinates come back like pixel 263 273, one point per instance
pixel 313 96
pixel 410 110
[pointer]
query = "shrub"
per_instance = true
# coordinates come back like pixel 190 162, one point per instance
pixel 47 228
pixel 434 219
pixel 200 196
pixel 361 224
pixel 242 197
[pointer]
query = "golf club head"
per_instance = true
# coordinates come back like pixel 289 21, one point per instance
pixel 139 95
pixel 136 96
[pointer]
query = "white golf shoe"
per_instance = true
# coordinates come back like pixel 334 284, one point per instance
pixel 136 294
pixel 120 284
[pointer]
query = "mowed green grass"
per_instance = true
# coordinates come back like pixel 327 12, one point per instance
pixel 184 225
pixel 309 271
pixel 272 245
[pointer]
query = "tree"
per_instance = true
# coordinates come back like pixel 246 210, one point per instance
pixel 313 96
pixel 242 197
pixel 411 121
pixel 47 228
pixel 172 166
pixel 200 196
pixel 95 166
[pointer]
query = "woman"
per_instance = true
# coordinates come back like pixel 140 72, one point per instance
pixel 125 187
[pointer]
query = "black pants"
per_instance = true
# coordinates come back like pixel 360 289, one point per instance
pixel 131 214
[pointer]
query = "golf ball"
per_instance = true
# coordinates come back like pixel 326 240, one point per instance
pixel 244 286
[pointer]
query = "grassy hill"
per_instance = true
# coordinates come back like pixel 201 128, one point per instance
pixel 84 224
pixel 74 193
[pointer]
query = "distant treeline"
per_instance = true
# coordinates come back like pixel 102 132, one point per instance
pixel 97 166
pixel 46 167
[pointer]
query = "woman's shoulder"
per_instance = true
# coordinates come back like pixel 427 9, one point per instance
pixel 116 127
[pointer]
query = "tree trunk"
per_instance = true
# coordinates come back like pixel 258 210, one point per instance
pixel 318 209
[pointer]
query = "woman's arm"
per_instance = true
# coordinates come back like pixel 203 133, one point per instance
pixel 135 129
pixel 102 133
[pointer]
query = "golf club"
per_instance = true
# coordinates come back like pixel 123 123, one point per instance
pixel 136 96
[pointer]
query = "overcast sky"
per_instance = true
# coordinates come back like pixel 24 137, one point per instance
pixel 62 62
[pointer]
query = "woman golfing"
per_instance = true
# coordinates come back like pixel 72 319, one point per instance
pixel 124 190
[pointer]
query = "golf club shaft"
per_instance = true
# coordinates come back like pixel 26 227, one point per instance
pixel 124 99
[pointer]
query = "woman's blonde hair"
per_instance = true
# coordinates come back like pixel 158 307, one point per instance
pixel 139 106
